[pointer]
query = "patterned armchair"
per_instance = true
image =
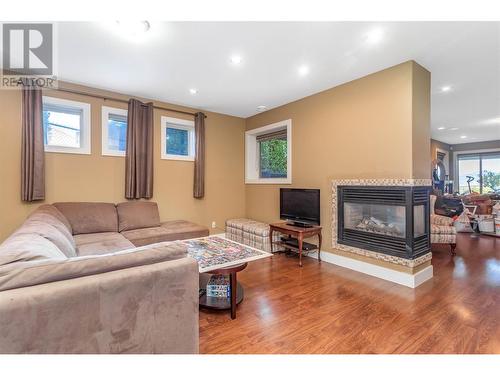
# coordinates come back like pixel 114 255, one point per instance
pixel 442 229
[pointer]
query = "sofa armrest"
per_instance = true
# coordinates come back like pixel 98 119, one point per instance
pixel 23 274
pixel 441 220
pixel 151 308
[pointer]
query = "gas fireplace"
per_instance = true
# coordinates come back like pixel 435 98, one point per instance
pixel 392 220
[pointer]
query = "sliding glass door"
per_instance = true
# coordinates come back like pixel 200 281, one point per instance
pixel 479 170
pixel 490 172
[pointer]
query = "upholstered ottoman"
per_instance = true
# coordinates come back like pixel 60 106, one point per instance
pixel 252 233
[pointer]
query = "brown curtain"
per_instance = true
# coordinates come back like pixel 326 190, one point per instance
pixel 199 158
pixel 32 158
pixel 139 152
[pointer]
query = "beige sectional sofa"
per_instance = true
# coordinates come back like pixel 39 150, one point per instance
pixel 99 278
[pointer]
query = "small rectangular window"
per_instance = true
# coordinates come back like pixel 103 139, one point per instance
pixel 114 131
pixel 177 139
pixel 273 154
pixel 66 126
pixel 268 154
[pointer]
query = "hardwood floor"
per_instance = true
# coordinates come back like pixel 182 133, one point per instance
pixel 322 308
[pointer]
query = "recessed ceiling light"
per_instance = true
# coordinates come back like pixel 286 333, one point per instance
pixel 303 70
pixel 441 128
pixel 193 91
pixel 463 136
pixel 453 128
pixel 261 108
pixel 374 36
pixel 445 88
pixel 236 59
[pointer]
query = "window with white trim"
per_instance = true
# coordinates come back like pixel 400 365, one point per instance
pixel 177 139
pixel 114 131
pixel 66 126
pixel 268 154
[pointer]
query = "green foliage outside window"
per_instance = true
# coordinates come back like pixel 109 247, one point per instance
pixel 491 181
pixel 273 158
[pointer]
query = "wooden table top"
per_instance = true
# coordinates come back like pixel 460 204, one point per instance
pixel 288 227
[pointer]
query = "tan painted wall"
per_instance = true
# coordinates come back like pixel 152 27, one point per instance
pixel 421 114
pixel 362 129
pixel 101 178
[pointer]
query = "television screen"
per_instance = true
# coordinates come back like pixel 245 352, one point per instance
pixel 300 205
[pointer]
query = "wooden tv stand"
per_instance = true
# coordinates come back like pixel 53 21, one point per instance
pixel 300 233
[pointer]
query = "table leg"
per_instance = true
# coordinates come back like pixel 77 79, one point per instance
pixel 319 246
pixel 300 239
pixel 234 286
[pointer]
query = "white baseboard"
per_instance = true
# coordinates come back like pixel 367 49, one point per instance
pixel 402 278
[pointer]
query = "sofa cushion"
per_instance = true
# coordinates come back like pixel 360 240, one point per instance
pixel 52 211
pixel 52 216
pixel 50 232
pixel 168 231
pixel 21 247
pixel 146 236
pixel 40 272
pixel 101 243
pixel 137 215
pixel 184 229
pixel 89 217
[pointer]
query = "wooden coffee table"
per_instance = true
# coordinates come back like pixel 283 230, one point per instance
pixel 222 303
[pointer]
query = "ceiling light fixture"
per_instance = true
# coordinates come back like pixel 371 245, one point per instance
pixel 454 129
pixel 261 108
pixel 441 128
pixel 304 70
pixel 375 36
pixel 236 59
pixel 463 136
pixel 193 91
pixel 445 88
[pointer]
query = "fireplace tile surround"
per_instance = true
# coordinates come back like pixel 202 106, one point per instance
pixel 395 260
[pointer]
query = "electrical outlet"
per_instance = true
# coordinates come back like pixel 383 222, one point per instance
pixel 214 224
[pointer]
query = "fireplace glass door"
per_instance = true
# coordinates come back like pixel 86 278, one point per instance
pixel 388 220
pixel 418 221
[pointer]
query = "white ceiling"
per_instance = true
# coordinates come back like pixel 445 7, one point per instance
pixel 171 58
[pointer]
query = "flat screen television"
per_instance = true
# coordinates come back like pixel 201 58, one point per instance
pixel 300 206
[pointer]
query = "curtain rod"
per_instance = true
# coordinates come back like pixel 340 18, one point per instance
pixel 121 100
